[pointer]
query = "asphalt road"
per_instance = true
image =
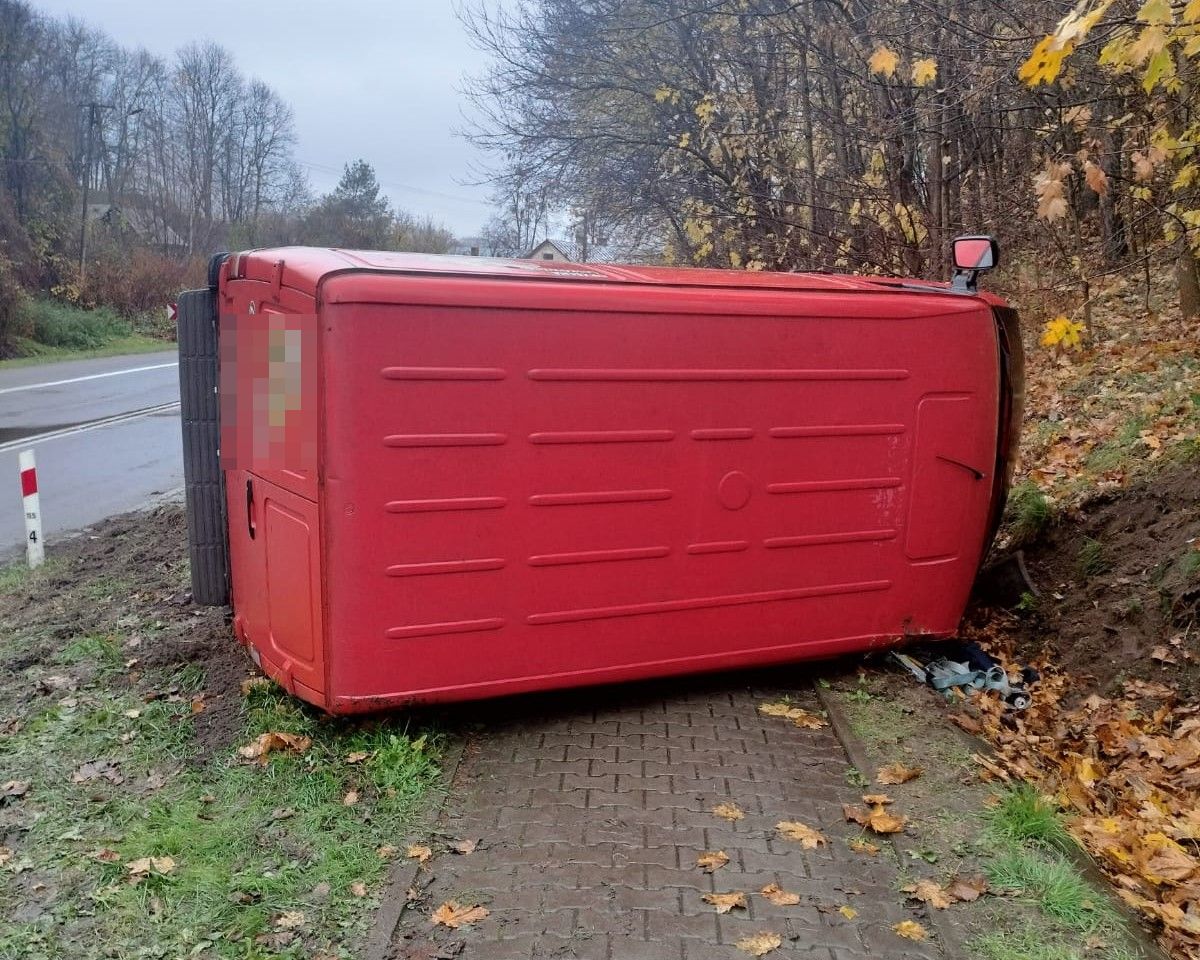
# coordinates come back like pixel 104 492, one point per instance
pixel 105 433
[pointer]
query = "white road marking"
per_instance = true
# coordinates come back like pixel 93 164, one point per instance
pixel 94 376
pixel 84 427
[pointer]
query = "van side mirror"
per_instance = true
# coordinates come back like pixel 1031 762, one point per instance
pixel 973 255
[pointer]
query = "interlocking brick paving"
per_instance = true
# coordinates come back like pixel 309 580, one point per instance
pixel 592 807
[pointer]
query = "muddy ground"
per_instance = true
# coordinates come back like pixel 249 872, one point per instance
pixel 1118 583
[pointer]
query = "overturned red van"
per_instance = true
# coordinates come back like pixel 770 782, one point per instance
pixel 446 478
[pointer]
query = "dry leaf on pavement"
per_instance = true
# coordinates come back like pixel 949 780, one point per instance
pixel 760 944
pixel 780 897
pixel 877 818
pixel 896 773
pixel 724 902
pixel 808 838
pixel 930 892
pixel 418 852
pixel 859 845
pixel 848 912
pixel 712 860
pixel 387 851
pixel 729 811
pixel 453 915
pixel 799 716
pixel 877 799
pixel 910 930
pixel 464 846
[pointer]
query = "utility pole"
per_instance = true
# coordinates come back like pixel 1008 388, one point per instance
pixel 93 121
pixel 93 118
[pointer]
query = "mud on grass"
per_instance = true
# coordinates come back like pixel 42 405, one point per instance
pixel 121 711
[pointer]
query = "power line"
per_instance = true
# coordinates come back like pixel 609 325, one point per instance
pixel 393 185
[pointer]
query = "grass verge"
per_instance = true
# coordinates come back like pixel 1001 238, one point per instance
pixel 133 831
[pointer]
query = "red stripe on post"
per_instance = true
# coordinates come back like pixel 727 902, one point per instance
pixel 28 482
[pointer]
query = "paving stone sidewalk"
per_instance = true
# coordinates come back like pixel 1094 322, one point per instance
pixel 592 807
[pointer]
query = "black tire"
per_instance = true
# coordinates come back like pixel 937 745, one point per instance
pixel 204 482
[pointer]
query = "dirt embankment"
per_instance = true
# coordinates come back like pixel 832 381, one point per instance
pixel 1119 584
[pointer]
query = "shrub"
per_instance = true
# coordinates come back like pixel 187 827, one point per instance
pixel 134 280
pixel 12 308
pixel 71 328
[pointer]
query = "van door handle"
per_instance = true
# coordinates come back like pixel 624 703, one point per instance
pixel 251 527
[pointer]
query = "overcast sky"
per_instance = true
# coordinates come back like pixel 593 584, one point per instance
pixel 377 79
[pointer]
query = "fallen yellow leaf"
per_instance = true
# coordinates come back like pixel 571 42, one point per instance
pixel 760 944
pixel 808 838
pixel 876 799
pixel 859 845
pixel 848 912
pixel 418 852
pixel 712 860
pixel 724 902
pixel 910 930
pixel 780 897
pixel 453 915
pixel 729 811
pixel 927 891
pixel 896 773
pixel 268 742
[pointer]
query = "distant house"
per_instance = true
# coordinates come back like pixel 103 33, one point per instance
pixel 569 251
pixel 139 222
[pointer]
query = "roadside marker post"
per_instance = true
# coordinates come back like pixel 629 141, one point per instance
pixel 35 548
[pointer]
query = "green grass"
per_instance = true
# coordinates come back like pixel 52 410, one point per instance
pixel 1032 942
pixel 1092 559
pixel 32 353
pixel 59 331
pixel 249 842
pixel 1190 564
pixel 1024 816
pixel 1053 884
pixel 1029 512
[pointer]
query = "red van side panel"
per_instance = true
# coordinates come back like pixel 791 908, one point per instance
pixel 531 485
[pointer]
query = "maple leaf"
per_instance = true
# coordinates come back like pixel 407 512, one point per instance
pixel 967 889
pixel 848 911
pixel 724 902
pixel 1096 178
pixel 806 836
pixel 859 845
pixel 266 743
pixel 1064 332
pixel 780 897
pixel 144 866
pixel 712 861
pixel 799 716
pixel 1045 63
pixel 1156 12
pixel 877 818
pixel 924 72
pixel 418 852
pixel 927 891
pixel 760 944
pixel 910 930
pixel 453 915
pixel 729 811
pixel 884 61
pixel 896 773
